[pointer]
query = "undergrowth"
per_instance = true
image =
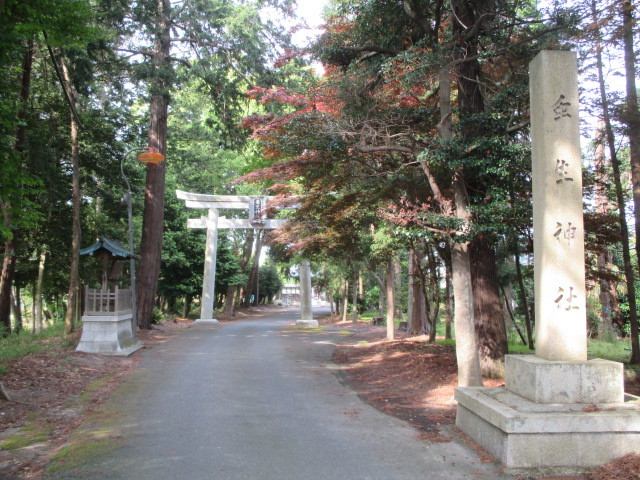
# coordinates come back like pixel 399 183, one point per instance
pixel 25 342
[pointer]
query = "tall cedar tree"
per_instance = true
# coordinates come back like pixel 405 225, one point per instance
pixel 230 42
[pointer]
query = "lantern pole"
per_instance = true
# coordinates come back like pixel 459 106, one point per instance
pixel 132 267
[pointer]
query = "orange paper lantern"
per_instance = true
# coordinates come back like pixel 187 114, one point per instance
pixel 151 157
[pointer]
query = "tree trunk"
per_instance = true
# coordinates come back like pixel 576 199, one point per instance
pixel 188 298
pixel 354 312
pixel 448 304
pixel 605 326
pixel 632 120
pixel 6 282
pixel 17 315
pixel 38 313
pixel 11 244
pixel 507 310
pixel 417 322
pixel 410 300
pixel 74 275
pixel 490 328
pixel 16 305
pixel 397 269
pixel 487 304
pixel 229 299
pixel 467 355
pixel 245 258
pixel 620 197
pixel 616 312
pixel 523 298
pixel 469 372
pixel 153 219
pixel 433 307
pixel 508 298
pixel 391 302
pixel 345 300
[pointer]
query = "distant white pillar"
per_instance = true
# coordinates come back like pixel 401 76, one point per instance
pixel 306 315
pixel 559 278
pixel 209 277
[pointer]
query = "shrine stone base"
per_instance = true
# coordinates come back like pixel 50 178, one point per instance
pixel 552 417
pixel 306 323
pixel 546 381
pixel 108 335
pixel 206 321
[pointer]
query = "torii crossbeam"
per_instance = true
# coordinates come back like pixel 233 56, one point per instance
pixel 213 222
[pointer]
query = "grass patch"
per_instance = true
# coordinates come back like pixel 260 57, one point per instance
pixel 362 342
pixel 448 343
pixel 345 333
pixel 25 343
pixel 30 434
pixel 619 351
pixel 81 451
pixel 368 315
pixel 519 348
pixel 297 328
pixel 102 436
pixel 93 387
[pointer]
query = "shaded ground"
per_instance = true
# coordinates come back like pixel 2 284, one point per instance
pixel 55 390
pixel 409 379
pixel 413 380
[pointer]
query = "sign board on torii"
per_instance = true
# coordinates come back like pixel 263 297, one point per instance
pixel 213 222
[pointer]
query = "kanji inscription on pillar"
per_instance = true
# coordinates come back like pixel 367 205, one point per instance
pixel 560 304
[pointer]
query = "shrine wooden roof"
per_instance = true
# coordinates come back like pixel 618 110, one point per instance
pixel 113 247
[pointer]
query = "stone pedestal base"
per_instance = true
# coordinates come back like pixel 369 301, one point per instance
pixel 307 323
pixel 545 381
pixel 108 335
pixel 206 320
pixel 560 429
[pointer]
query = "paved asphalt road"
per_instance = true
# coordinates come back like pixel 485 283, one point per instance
pixel 256 399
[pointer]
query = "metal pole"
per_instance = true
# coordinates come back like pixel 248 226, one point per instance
pixel 132 266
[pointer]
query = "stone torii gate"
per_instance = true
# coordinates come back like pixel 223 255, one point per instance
pixel 213 222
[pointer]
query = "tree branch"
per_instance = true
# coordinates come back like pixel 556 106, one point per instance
pixel 387 148
pixel 412 13
pixel 515 128
pixel 375 49
pixel 379 281
pixel 65 88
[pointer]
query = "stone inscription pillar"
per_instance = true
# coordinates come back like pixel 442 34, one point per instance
pixel 209 278
pixel 559 278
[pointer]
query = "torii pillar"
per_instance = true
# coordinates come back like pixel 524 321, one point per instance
pixel 306 313
pixel 209 275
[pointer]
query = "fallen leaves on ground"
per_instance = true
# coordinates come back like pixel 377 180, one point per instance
pixel 410 379
pixel 625 468
pixel 407 378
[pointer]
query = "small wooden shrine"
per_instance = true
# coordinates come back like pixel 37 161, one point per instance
pixel 108 317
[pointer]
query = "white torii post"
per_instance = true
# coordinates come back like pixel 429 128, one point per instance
pixel 209 277
pixel 306 314
pixel 213 223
